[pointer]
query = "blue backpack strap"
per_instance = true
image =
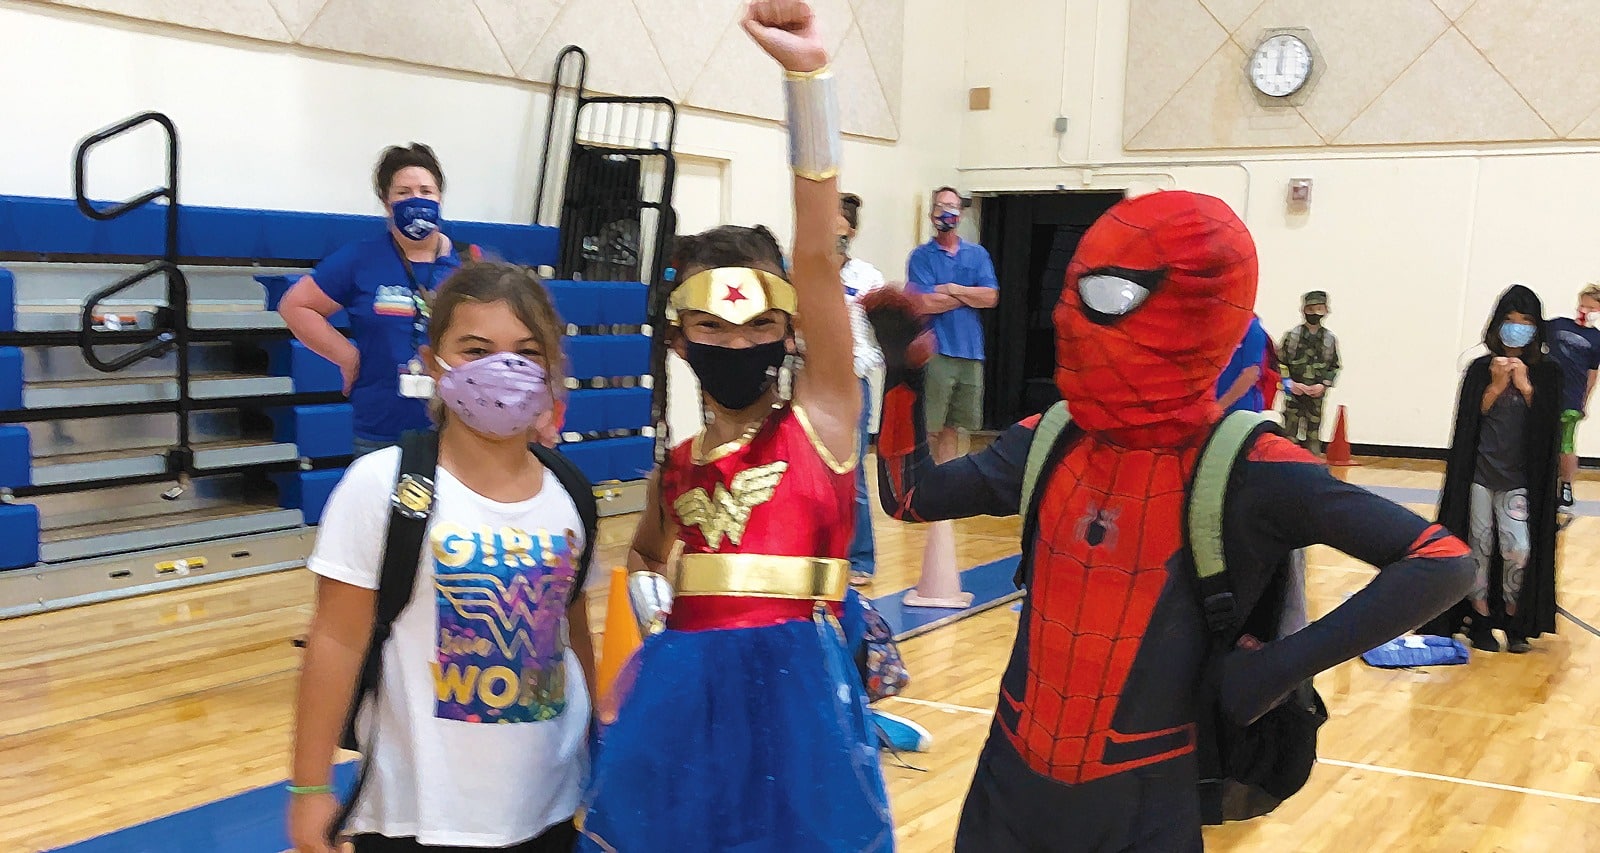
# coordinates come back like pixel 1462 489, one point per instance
pixel 1208 495
pixel 1054 422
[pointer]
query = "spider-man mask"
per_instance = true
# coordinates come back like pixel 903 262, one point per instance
pixel 1157 298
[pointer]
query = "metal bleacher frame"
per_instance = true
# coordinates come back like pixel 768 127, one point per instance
pixel 165 429
pixel 610 175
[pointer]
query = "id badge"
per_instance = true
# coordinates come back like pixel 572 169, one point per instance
pixel 414 384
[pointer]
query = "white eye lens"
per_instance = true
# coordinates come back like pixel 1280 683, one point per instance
pixel 1109 294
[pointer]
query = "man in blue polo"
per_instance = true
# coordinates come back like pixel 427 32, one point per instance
pixel 954 280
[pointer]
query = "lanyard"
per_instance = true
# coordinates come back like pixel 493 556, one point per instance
pixel 419 296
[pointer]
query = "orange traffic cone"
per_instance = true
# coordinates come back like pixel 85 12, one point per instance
pixel 940 585
pixel 1339 448
pixel 621 638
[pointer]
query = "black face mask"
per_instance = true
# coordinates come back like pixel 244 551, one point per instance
pixel 736 378
pixel 1313 319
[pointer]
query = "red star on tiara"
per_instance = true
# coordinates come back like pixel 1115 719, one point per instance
pixel 734 295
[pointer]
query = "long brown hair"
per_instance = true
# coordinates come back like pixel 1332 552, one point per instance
pixel 522 291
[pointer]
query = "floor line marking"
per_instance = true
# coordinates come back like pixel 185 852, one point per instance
pixel 944 706
pixel 1395 771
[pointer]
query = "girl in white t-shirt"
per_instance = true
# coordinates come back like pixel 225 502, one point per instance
pixel 478 735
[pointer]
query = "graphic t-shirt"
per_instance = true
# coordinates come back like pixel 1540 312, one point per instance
pixel 1577 350
pixel 482 714
pixel 367 278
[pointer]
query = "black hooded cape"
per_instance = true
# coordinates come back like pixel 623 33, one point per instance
pixel 1536 607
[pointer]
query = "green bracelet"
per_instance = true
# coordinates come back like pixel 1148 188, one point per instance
pixel 305 790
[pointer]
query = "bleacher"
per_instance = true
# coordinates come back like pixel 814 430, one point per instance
pixel 89 459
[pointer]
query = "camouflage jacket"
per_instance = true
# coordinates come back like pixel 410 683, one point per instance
pixel 1309 356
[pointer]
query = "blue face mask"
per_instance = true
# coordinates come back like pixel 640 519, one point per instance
pixel 947 221
pixel 1516 335
pixel 416 217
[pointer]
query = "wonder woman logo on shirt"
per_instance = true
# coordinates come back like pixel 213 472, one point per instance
pixel 502 597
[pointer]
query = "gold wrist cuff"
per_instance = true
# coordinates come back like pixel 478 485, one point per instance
pixel 815 144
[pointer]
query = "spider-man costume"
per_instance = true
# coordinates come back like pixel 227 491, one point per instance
pixel 1093 746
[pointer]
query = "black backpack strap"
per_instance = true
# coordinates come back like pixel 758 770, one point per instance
pixel 410 506
pixel 581 490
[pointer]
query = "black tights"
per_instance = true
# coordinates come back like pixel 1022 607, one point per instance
pixel 560 838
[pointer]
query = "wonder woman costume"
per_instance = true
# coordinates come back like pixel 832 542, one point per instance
pixel 744 728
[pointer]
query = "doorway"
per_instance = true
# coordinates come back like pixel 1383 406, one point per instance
pixel 1031 238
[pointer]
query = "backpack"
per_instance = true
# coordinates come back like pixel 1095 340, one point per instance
pixel 1245 771
pixel 410 507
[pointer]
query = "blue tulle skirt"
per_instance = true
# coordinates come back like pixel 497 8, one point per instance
pixel 749 740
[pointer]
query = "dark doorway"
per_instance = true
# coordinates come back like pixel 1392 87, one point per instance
pixel 1031 238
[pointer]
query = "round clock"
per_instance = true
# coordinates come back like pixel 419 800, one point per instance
pixel 1281 65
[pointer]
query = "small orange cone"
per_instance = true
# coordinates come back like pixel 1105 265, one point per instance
pixel 940 585
pixel 1339 448
pixel 621 637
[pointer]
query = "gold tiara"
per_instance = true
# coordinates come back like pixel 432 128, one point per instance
pixel 736 294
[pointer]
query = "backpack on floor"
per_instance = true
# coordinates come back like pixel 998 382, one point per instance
pixel 1245 771
pixel 410 507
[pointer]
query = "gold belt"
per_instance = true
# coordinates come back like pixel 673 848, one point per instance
pixel 763 576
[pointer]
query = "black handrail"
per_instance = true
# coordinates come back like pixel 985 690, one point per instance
pixel 180 458
pixel 550 120
pixel 152 349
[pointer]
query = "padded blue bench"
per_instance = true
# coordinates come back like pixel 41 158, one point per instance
pixel 319 432
pixel 53 226
pixel 593 356
pixel 307 491
pixel 310 372
pixel 601 303
pixel 599 409
pixel 16 457
pixel 19 536
pixel 613 458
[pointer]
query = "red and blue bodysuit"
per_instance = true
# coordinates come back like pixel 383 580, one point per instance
pixel 1093 746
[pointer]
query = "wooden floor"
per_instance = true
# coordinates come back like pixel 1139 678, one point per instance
pixel 115 714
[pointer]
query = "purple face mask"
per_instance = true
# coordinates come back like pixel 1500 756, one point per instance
pixel 502 395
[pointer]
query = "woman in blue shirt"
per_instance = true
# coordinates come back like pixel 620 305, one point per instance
pixel 385 284
pixel 1239 386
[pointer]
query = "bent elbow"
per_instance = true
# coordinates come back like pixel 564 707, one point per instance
pixel 1460 574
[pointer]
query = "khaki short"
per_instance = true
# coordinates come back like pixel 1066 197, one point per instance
pixel 953 393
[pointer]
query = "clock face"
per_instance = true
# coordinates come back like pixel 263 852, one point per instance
pixel 1281 66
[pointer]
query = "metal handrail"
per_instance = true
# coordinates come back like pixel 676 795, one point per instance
pixel 180 458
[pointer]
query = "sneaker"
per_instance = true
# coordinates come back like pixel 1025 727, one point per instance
pixel 1483 639
pixel 900 734
pixel 1517 644
pixel 1566 495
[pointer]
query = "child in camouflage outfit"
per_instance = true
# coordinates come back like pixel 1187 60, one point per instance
pixel 1309 362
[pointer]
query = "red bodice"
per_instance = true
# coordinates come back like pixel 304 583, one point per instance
pixel 775 493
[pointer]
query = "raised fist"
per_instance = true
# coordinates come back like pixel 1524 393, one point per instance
pixel 787 31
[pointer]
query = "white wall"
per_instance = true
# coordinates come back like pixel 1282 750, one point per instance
pixel 280 126
pixel 1412 243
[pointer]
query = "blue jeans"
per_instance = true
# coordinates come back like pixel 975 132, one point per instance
pixel 363 446
pixel 863 560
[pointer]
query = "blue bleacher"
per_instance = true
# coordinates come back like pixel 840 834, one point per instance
pixel 32 226
pixel 53 226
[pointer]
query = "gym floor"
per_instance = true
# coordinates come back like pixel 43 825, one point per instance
pixel 163 722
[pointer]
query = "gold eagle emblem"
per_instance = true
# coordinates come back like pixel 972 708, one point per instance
pixel 726 511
